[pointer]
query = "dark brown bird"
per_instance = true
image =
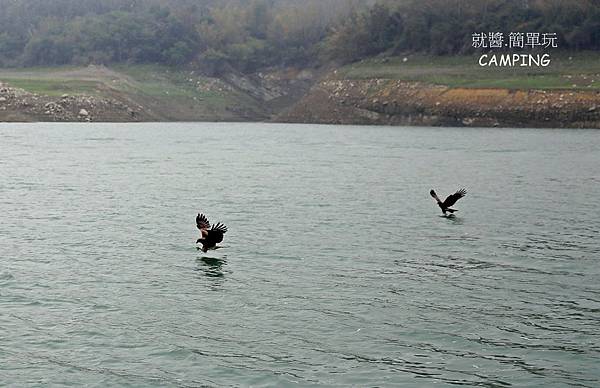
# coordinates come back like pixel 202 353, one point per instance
pixel 449 201
pixel 209 238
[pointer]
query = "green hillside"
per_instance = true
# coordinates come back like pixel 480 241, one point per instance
pixel 578 70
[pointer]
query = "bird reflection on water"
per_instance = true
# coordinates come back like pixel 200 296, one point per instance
pixel 454 219
pixel 211 266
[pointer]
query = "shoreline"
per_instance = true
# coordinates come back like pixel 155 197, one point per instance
pixel 300 97
pixel 394 102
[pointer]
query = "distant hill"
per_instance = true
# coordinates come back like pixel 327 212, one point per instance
pixel 216 37
pixel 351 61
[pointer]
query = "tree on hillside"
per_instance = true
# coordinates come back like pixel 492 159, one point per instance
pixel 251 34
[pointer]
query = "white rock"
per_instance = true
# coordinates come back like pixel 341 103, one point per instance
pixel 83 112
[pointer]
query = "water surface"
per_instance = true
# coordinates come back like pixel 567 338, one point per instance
pixel 337 269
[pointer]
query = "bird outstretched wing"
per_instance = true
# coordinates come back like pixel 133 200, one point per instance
pixel 452 198
pixel 434 195
pixel 219 227
pixel 217 231
pixel 202 222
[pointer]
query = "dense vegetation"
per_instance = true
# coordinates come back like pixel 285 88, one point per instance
pixel 247 35
pixel 444 27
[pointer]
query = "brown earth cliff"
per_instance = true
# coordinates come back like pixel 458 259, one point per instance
pixel 394 102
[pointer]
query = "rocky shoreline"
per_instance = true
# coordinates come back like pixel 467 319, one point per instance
pixel 393 102
pixel 18 105
pixel 340 101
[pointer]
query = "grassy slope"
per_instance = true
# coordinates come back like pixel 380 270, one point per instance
pixel 53 87
pixel 175 94
pixel 581 72
pixel 167 90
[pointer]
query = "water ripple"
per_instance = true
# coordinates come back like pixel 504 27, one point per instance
pixel 336 270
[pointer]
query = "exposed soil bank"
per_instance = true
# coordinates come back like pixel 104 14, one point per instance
pixel 287 96
pixel 393 102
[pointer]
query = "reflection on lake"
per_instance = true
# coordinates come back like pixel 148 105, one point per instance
pixel 212 267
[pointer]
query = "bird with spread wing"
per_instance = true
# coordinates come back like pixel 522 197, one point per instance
pixel 449 201
pixel 209 237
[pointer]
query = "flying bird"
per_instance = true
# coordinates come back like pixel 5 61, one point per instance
pixel 449 201
pixel 209 237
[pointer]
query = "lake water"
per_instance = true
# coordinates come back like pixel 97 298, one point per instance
pixel 337 269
